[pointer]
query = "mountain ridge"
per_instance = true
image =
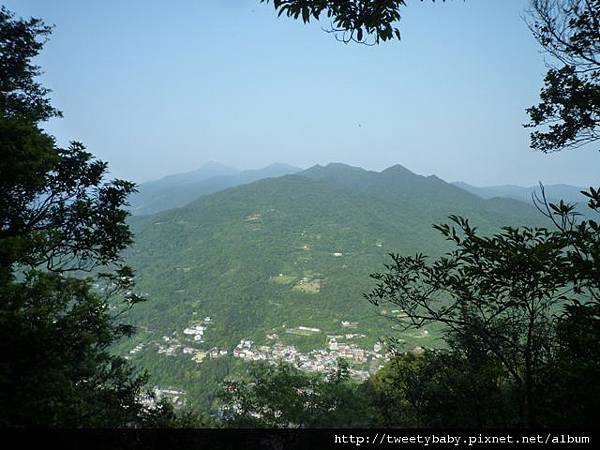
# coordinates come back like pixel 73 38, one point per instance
pixel 177 190
pixel 554 192
pixel 268 260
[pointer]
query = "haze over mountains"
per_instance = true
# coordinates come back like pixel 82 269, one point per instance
pixel 177 190
pixel 554 192
pixel 282 263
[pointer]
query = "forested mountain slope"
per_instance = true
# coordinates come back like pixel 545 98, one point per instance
pixel 178 190
pixel 272 260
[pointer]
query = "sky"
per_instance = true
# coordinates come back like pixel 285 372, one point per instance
pixel 156 88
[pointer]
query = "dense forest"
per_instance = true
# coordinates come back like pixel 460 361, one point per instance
pixel 284 297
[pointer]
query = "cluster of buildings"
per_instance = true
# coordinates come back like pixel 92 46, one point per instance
pixel 321 360
pixel 171 344
pixel 138 348
pixel 362 361
pixel 197 332
pixel 318 360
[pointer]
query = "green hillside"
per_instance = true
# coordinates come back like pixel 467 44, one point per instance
pixel 284 262
pixel 178 190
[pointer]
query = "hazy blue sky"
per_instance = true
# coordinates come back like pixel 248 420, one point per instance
pixel 156 87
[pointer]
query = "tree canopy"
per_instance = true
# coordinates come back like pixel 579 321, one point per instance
pixel 503 295
pixel 568 115
pixel 20 41
pixel 59 219
pixel 284 396
pixel 362 21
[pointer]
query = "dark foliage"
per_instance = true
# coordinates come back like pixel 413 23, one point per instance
pixel 440 389
pixel 515 297
pixel 568 114
pixel 20 95
pixel 57 217
pixel 55 209
pixel 56 369
pixel 284 396
pixel 351 20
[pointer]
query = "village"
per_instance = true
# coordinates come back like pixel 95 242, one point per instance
pixel 362 361
pixel 318 360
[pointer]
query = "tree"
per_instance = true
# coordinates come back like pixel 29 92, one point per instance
pixel 570 394
pixel 526 298
pixel 569 110
pixel 20 41
pixel 283 396
pixel 351 20
pixel 59 219
pixel 439 389
pixel 500 293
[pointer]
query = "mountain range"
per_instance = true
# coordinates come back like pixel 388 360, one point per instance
pixel 177 190
pixel 554 192
pixel 282 262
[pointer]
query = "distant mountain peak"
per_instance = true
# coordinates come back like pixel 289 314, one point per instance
pixel 207 170
pixel 179 189
pixel 339 164
pixel 397 169
pixel 336 166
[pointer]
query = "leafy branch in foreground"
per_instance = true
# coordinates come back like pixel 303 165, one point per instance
pixel 503 294
pixel 351 20
pixel 569 110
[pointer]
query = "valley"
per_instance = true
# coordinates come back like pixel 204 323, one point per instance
pixel 275 270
